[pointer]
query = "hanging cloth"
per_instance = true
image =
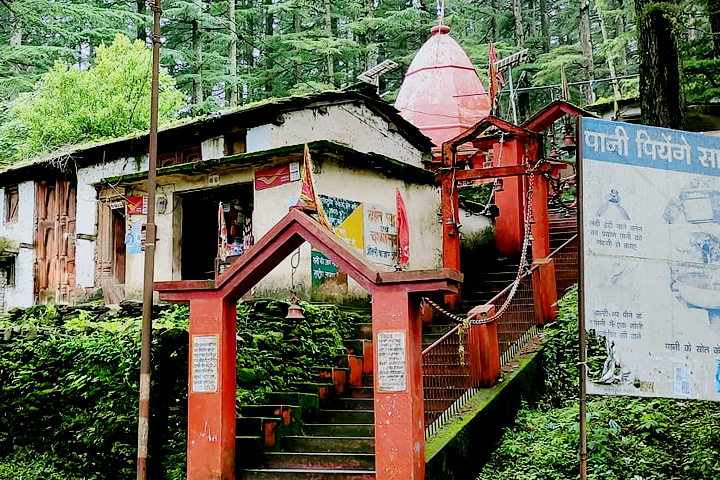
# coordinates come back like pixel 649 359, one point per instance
pixel 222 234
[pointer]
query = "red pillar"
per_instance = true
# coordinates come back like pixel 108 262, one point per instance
pixel 510 201
pixel 211 392
pixel 484 347
pixel 544 277
pixel 399 409
pixel 451 234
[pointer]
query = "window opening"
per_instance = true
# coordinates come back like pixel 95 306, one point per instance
pixel 11 204
pixel 236 142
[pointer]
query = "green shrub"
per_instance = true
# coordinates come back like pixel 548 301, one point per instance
pixel 69 383
pixel 628 438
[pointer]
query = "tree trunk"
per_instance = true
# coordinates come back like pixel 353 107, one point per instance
pixel 15 31
pixel 610 60
pixel 662 98
pixel 328 29
pixel 713 7
pixel 197 51
pixel 620 26
pixel 545 26
pixel 533 16
pixel 269 32
pixel 232 53
pixel 517 14
pixel 296 31
pixel 586 43
pixel 140 32
pixel 496 20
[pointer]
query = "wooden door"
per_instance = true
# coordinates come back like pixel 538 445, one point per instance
pixel 56 204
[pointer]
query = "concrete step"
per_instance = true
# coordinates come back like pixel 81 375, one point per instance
pixel 324 390
pixel 435 329
pixel 311 461
pixel 365 331
pixel 316 444
pixel 350 403
pixel 361 392
pixel 347 416
pixel 248 451
pixel 298 474
pixel 255 426
pixel 339 429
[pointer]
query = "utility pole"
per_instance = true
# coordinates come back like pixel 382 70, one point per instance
pixel 150 236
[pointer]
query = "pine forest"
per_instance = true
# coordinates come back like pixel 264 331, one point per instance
pixel 225 53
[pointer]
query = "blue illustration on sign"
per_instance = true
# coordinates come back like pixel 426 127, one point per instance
pixel 717 375
pixel 650 147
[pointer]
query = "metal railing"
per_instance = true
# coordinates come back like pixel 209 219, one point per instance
pixel 447 374
pixel 447 382
pixel 566 264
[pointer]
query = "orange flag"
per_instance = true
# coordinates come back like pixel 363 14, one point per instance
pixel 309 200
pixel 494 77
pixel 402 230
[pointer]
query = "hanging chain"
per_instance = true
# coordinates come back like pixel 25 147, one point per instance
pixel 294 262
pixel 521 267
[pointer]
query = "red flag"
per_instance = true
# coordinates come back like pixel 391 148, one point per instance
pixel 494 77
pixel 402 230
pixel 309 200
pixel 493 61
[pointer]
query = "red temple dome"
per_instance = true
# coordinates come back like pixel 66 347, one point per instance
pixel 442 94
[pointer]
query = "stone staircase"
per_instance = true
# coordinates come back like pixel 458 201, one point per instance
pixel 562 227
pixel 325 430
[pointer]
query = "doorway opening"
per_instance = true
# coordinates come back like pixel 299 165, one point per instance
pixel 201 257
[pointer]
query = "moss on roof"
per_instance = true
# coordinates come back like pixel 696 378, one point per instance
pixel 266 111
pixel 342 155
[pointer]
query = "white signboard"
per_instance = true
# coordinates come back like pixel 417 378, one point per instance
pixel 205 363
pixel 381 238
pixel 651 243
pixel 391 361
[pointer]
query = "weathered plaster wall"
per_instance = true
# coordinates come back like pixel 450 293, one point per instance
pixel 271 204
pixel 168 250
pixel 422 202
pixel 352 125
pixel 87 197
pixel 21 232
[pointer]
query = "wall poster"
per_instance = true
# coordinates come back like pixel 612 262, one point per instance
pixel 205 364
pixel 346 218
pixel 391 361
pixel 651 228
pixel 381 238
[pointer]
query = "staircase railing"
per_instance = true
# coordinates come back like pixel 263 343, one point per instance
pixel 447 383
pixel 448 380
pixel 566 264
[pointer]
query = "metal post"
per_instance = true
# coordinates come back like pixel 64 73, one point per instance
pixel 150 236
pixel 582 364
pixel 512 96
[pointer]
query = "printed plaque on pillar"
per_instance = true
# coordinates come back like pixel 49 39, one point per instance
pixel 391 361
pixel 205 363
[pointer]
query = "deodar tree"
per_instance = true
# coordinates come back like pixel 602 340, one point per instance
pixel 662 97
